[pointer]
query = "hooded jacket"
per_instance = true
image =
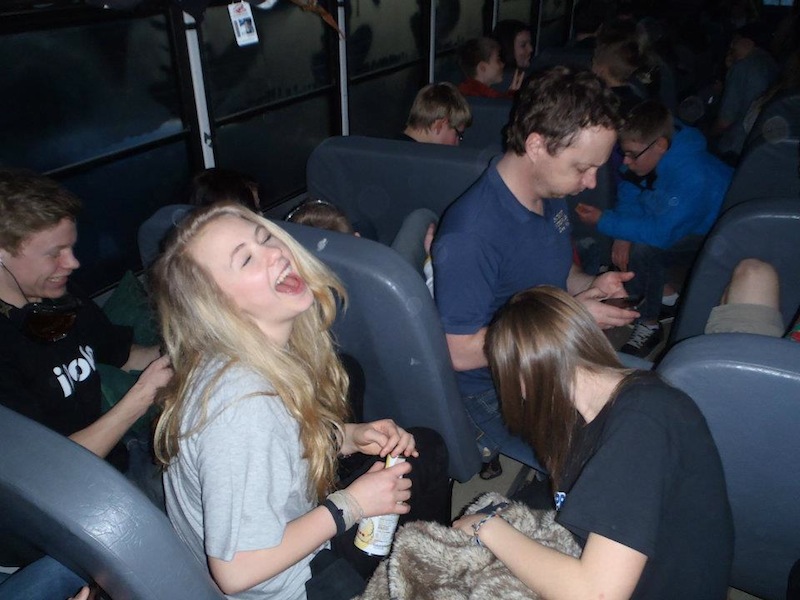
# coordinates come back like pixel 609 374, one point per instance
pixel 683 198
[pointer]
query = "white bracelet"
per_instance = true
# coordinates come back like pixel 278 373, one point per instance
pixel 351 510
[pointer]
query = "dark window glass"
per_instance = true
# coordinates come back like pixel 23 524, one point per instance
pixel 516 9
pixel 446 68
pixel 554 25
pixel 117 198
pixel 274 146
pixel 71 94
pixel 457 21
pixel 393 94
pixel 290 58
pixel 382 34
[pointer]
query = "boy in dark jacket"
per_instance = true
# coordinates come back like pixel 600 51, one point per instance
pixel 671 193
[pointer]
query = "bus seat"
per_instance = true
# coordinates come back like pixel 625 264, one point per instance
pixel 391 327
pixel 73 506
pixel 156 227
pixel 377 182
pixel 770 161
pixel 777 116
pixel 748 388
pixel 568 56
pixel 765 229
pixel 489 118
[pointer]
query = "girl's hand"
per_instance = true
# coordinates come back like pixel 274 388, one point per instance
pixel 382 491
pixel 83 594
pixel 465 523
pixel 378 438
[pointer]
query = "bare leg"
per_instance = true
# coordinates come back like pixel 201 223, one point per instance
pixel 753 282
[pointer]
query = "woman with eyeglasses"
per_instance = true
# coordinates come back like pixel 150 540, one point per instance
pixel 254 419
pixel 635 473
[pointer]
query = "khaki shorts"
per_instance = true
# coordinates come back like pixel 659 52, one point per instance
pixel 745 318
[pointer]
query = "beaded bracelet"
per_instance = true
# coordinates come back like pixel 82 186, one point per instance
pixel 476 526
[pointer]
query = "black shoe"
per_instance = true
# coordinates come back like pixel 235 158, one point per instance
pixel 643 340
pixel 667 313
pixel 491 469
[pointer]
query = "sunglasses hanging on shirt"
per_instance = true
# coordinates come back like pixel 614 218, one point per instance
pixel 49 320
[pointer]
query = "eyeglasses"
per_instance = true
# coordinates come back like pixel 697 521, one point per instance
pixel 634 156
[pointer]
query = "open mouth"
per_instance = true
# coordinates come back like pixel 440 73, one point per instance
pixel 289 282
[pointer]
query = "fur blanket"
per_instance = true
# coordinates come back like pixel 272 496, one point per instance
pixel 433 562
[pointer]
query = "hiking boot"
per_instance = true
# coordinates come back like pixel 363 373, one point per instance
pixel 643 340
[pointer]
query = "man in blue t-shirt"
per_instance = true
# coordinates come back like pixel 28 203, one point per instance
pixel 510 231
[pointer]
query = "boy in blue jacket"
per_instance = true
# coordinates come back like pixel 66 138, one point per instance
pixel 670 195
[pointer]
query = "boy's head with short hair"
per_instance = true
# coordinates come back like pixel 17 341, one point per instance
pixel 616 62
pixel 439 115
pixel 646 136
pixel 322 215
pixel 479 59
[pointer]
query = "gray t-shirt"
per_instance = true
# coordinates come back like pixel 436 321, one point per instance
pixel 241 478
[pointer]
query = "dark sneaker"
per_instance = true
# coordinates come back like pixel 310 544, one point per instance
pixel 667 313
pixel 491 469
pixel 643 340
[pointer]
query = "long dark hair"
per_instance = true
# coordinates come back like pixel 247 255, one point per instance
pixel 535 346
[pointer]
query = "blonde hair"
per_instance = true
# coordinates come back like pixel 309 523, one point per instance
pixel 439 101
pixel 537 342
pixel 201 322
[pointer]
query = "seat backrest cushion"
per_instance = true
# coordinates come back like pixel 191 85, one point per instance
pixel 391 327
pixel 73 506
pixel 377 182
pixel 489 118
pixel 748 388
pixel 769 165
pixel 764 229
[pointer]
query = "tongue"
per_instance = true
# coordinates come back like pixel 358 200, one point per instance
pixel 291 285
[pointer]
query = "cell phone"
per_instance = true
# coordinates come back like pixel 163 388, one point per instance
pixel 629 303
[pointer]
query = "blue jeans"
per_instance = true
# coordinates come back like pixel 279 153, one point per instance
pixel 650 265
pixel 45 579
pixel 142 472
pixel 491 433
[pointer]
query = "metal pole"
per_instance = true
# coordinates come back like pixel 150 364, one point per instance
pixel 432 53
pixel 343 93
pixel 199 88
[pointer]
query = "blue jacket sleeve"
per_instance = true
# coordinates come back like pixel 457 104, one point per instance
pixel 658 217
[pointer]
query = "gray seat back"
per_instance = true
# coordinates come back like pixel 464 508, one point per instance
pixel 770 162
pixel 377 182
pixel 748 388
pixel 73 506
pixel 765 229
pixel 392 328
pixel 489 118
pixel 778 116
